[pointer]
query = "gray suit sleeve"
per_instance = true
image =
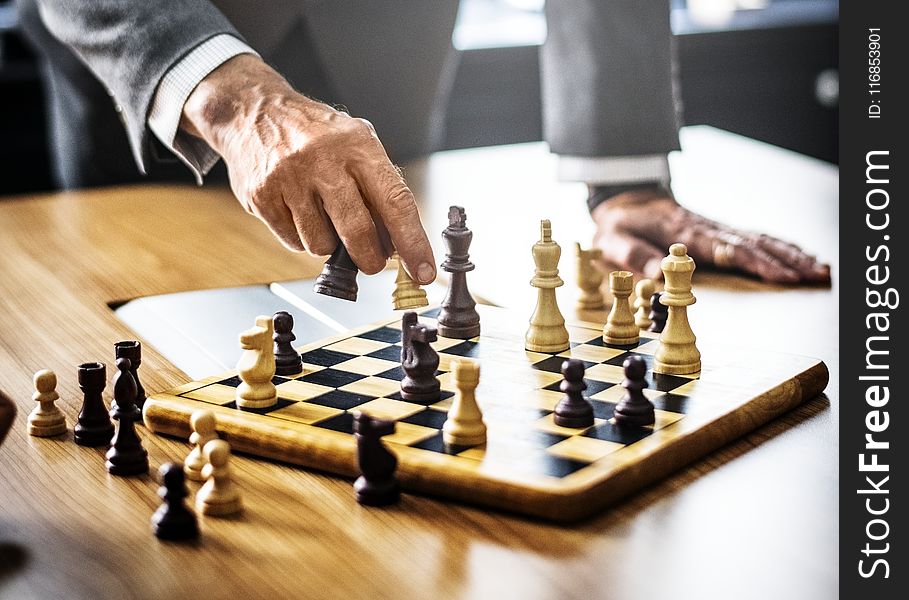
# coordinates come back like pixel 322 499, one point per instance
pixel 130 44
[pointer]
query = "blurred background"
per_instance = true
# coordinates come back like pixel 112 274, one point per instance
pixel 766 69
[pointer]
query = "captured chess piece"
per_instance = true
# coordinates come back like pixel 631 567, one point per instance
pixel 94 427
pixel 418 360
pixel 658 313
pixel 256 366
pixel 203 423
pixel 590 278
pixel 620 328
pixel 126 455
pixel 173 520
pixel 287 360
pixel 573 410
pixel 132 350
pixel 46 420
pixel 643 292
pixel 378 485
pixel 634 408
pixel 338 278
pixel 465 426
pixel 219 496
pixel 677 353
pixel 408 294
pixel 547 332
pixel 458 318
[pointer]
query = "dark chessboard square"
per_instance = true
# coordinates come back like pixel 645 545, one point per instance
pixel 342 423
pixel 621 358
pixel 437 444
pixel 432 313
pixel 332 377
pixel 392 353
pixel 553 364
pixel 281 403
pixel 676 403
pixel 467 348
pixel 442 396
pixel 395 374
pixel 385 334
pixel 593 386
pixel 667 383
pixel 235 380
pixel 325 358
pixel 599 342
pixel 626 434
pixel 556 466
pixel 427 418
pixel 340 399
pixel 603 410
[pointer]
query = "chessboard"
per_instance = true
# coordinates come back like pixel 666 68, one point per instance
pixel 529 464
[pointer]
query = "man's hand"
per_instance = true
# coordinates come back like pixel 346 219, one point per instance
pixel 306 169
pixel 635 228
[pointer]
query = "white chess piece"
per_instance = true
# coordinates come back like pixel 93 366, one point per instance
pixel 46 419
pixel 465 426
pixel 256 367
pixel 203 423
pixel 220 496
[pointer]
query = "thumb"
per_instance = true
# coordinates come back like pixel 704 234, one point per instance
pixel 631 252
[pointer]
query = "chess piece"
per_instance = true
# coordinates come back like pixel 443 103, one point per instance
pixel 634 408
pixel 203 423
pixel 377 486
pixel 465 426
pixel 620 329
pixel 458 318
pixel 338 278
pixel 418 360
pixel 677 353
pixel 287 360
pixel 573 410
pixel 643 292
pixel 590 278
pixel 94 427
pixel 173 520
pixel 126 455
pixel 256 366
pixel 547 332
pixel 408 294
pixel 7 415
pixel 658 313
pixel 132 350
pixel 46 419
pixel 219 496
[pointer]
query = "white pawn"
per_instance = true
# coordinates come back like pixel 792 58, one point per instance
pixel 256 367
pixel 643 290
pixel 465 426
pixel 203 423
pixel 219 496
pixel 46 419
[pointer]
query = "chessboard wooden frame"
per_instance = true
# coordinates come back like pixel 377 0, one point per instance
pixel 739 390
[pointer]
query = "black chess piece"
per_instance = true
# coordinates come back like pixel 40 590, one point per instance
pixel 94 427
pixel 573 410
pixel 658 313
pixel 338 278
pixel 419 360
pixel 287 360
pixel 126 455
pixel 634 408
pixel 174 520
pixel 458 318
pixel 377 486
pixel 132 350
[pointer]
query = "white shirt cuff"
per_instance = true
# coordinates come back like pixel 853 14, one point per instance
pixel 615 170
pixel 176 86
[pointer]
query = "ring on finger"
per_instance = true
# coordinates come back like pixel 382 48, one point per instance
pixel 723 253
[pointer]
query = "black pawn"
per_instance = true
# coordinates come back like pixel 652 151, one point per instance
pixel 458 318
pixel 287 360
pixel 126 455
pixel 377 486
pixel 132 350
pixel 94 427
pixel 173 520
pixel 573 410
pixel 419 360
pixel 658 313
pixel 338 278
pixel 634 408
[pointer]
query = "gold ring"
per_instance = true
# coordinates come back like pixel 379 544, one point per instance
pixel 722 254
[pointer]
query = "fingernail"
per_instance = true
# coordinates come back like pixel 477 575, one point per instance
pixel 652 269
pixel 426 273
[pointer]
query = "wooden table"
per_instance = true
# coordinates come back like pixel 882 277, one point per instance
pixel 757 519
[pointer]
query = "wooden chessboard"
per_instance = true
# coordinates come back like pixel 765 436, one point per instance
pixel 529 464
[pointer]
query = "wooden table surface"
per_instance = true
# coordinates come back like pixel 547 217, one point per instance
pixel 756 519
